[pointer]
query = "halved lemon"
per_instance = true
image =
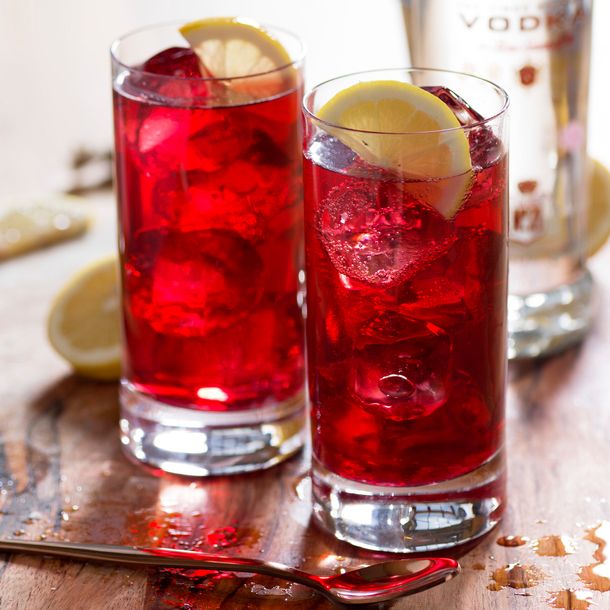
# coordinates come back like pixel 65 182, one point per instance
pixel 598 216
pixel 84 322
pixel 381 116
pixel 232 48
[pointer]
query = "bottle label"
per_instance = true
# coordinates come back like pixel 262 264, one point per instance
pixel 537 50
pixel 517 26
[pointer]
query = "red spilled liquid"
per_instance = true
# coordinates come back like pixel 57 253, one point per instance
pixel 222 537
pixel 211 218
pixel 406 317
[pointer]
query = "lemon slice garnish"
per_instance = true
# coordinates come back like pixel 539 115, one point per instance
pixel 231 47
pixel 380 117
pixel 84 322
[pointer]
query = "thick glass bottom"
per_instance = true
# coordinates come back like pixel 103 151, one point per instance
pixel 192 442
pixel 542 323
pixel 410 519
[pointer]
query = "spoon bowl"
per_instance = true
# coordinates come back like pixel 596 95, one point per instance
pixel 383 581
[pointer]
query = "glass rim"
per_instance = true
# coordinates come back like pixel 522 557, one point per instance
pixel 295 63
pixel 309 114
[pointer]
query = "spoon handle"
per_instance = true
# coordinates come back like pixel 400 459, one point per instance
pixel 160 557
pixel 100 552
pixel 174 558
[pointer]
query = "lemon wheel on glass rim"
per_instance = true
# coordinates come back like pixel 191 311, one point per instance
pixel 252 60
pixel 429 141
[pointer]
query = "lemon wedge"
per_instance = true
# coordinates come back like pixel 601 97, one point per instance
pixel 231 48
pixel 83 325
pixel 598 216
pixel 597 221
pixel 39 222
pixel 381 118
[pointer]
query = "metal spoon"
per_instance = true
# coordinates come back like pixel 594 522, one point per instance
pixel 375 583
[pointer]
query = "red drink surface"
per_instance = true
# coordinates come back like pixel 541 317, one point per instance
pixel 406 318
pixel 211 222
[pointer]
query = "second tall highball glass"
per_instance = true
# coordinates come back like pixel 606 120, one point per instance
pixel 406 326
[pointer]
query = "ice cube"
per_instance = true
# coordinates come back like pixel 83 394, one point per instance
pixel 378 233
pixel 224 136
pixel 485 147
pixel 401 366
pixel 464 113
pixel 164 131
pixel 191 283
pixel 264 150
pixel 197 199
pixel 179 62
pixel 328 152
pixel 171 77
pixel 161 140
pixel 436 295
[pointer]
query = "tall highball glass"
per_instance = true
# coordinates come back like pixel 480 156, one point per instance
pixel 406 323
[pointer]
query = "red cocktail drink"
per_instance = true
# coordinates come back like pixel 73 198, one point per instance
pixel 406 334
pixel 410 373
pixel 210 212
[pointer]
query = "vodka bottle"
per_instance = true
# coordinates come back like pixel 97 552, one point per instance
pixel 539 51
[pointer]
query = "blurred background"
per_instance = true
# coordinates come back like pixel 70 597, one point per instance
pixel 55 69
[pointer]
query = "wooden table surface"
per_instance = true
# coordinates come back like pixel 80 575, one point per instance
pixel 63 476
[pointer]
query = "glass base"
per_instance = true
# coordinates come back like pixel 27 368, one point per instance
pixel 192 442
pixel 410 519
pixel 542 323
